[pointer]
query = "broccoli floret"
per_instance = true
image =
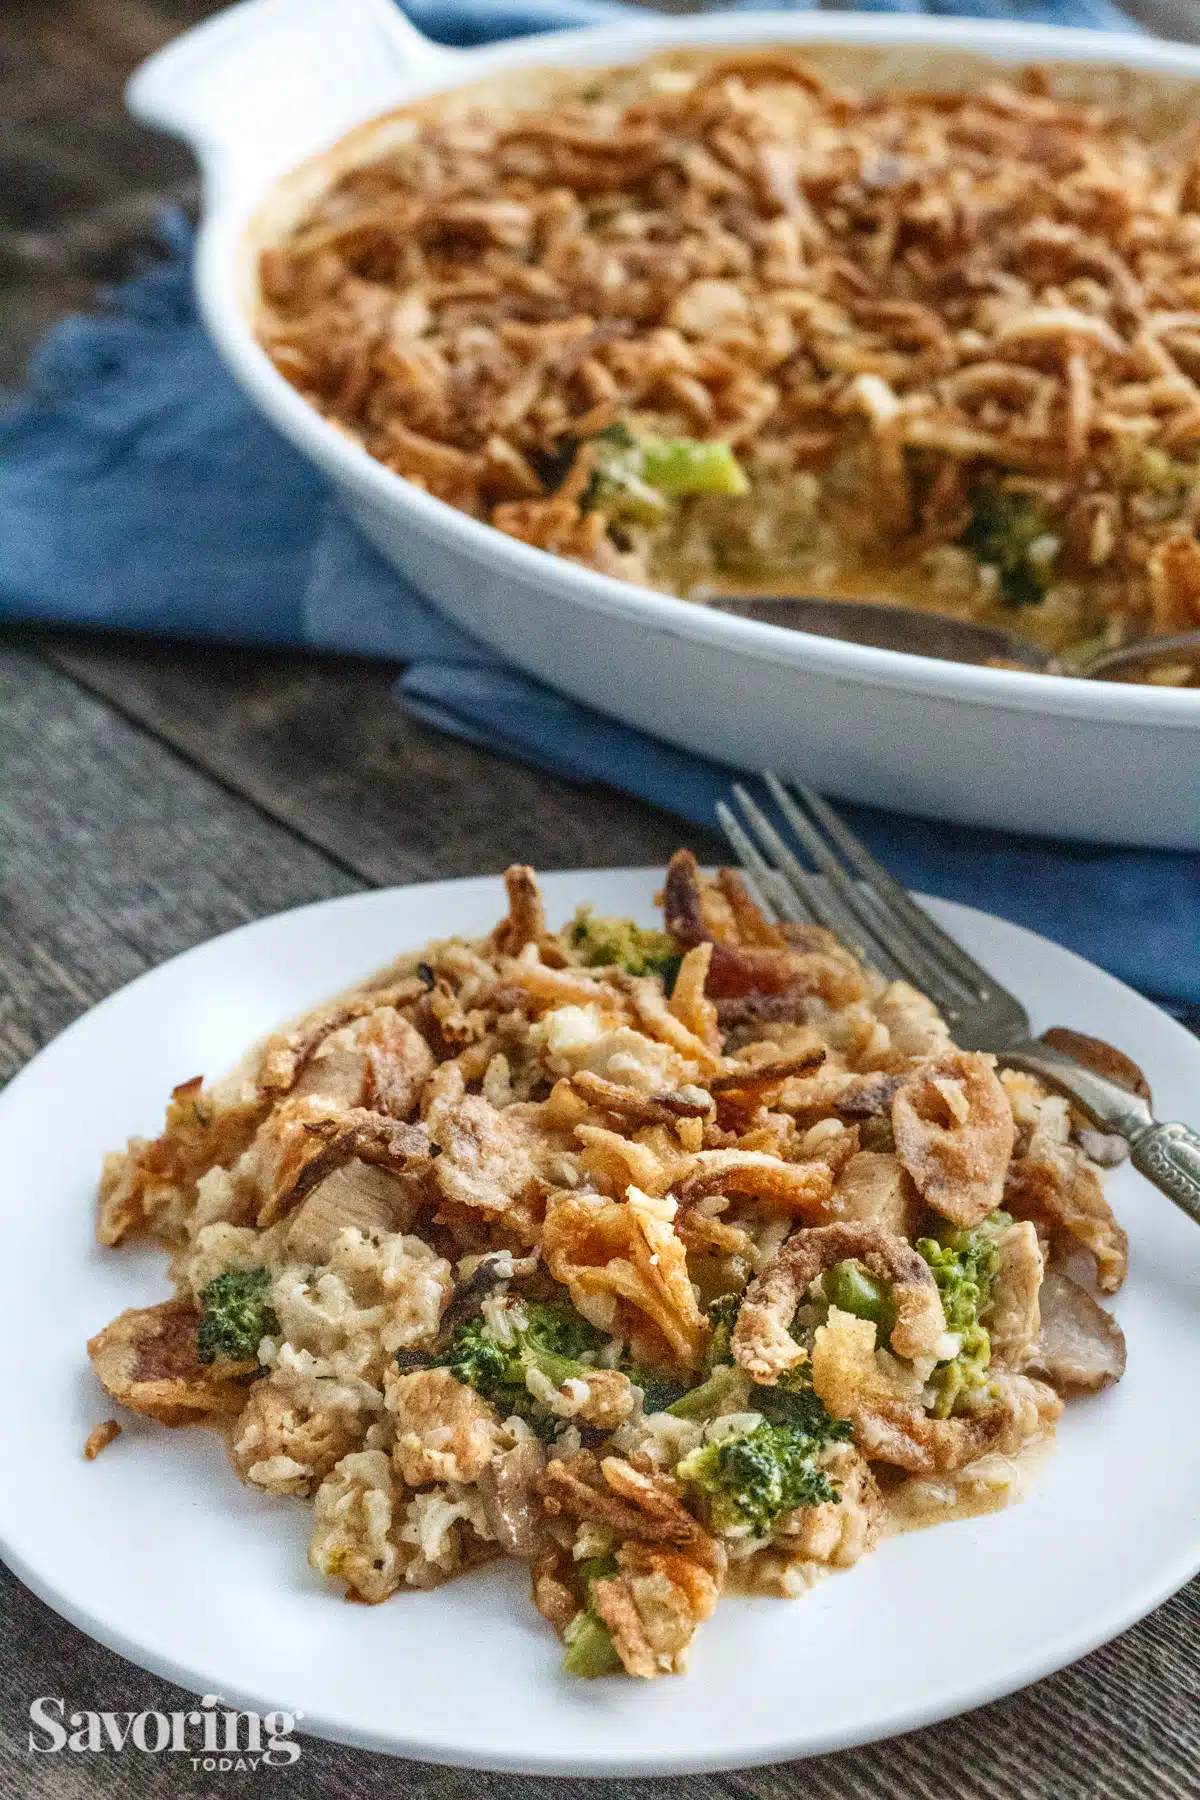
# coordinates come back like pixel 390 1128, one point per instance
pixel 853 1289
pixel 553 1338
pixel 722 1317
pixel 636 478
pixel 235 1315
pixel 660 1391
pixel 476 1359
pixel 555 1328
pixel 794 1401
pixel 601 942
pixel 964 1265
pixel 590 1649
pixel 1011 534
pixel 746 1481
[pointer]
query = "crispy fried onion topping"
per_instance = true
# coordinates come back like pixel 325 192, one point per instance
pixel 954 1134
pixel 627 1271
pixel 762 1342
pixel 1056 1186
pixel 749 956
pixel 882 1400
pixel 147 1360
pixel 669 1570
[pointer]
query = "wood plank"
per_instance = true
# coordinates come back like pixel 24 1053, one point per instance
pixel 320 745
pixel 114 855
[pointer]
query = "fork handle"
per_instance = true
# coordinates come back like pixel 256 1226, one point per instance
pixel 1169 1156
pixel 1166 1154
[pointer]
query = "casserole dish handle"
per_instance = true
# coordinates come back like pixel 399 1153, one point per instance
pixel 269 82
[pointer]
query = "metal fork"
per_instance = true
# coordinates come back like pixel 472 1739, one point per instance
pixel 853 896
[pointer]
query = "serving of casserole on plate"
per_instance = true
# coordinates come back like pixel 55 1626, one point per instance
pixel 726 318
pixel 160 1549
pixel 664 1262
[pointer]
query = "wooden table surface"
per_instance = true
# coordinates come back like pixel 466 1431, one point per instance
pixel 152 795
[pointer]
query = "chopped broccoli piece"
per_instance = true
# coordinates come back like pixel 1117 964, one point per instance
pixel 853 1289
pixel 590 1649
pixel 601 942
pixel 618 485
pixel 681 466
pixel 555 1328
pixel 704 1402
pixel 964 1265
pixel 722 1317
pixel 554 1338
pixel 659 1390
pixel 746 1481
pixel 1011 534
pixel 235 1315
pixel 793 1401
pixel 476 1358
pixel 636 478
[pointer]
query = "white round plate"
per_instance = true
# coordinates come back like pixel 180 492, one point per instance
pixel 160 1553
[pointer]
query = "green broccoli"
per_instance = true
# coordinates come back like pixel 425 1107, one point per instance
pixel 636 478
pixel 235 1315
pixel 601 942
pixel 554 1339
pixel 852 1288
pixel 705 1401
pixel 681 466
pixel 794 1402
pixel 746 1481
pixel 660 1391
pixel 590 1649
pixel 723 1379
pixel 1011 534
pixel 964 1265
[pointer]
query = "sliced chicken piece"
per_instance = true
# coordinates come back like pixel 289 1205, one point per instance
pixel 1080 1347
pixel 369 1198
pixel 1012 1318
pixel 380 1062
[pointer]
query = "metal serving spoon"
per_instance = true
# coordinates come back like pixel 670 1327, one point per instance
pixel 934 634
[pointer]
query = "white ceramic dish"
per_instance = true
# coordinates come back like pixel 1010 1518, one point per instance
pixel 272 82
pixel 159 1552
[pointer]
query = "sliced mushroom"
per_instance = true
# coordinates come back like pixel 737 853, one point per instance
pixel 1080 1348
pixel 508 1487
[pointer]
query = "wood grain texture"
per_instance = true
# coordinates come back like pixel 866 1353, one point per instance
pixel 320 745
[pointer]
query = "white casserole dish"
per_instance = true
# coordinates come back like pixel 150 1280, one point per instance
pixel 271 83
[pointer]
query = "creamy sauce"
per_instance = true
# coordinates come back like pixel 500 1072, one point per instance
pixel 987 1485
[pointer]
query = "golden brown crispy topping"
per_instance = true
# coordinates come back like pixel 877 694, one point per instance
pixel 762 1342
pixel 954 1134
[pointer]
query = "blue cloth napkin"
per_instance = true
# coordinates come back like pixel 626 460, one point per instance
pixel 140 489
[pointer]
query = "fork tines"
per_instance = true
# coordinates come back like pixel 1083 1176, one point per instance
pixel 846 890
